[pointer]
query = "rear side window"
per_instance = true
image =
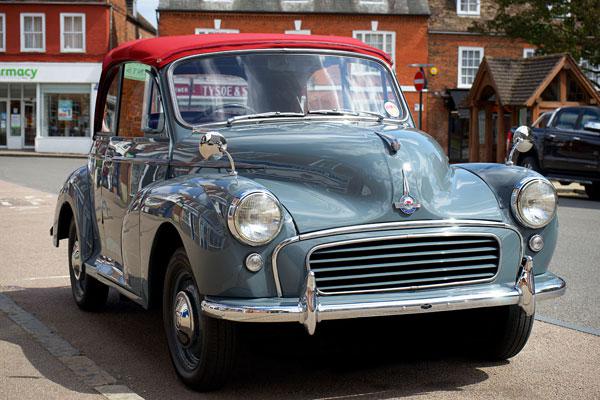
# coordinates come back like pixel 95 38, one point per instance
pixel 141 112
pixel 588 115
pixel 567 119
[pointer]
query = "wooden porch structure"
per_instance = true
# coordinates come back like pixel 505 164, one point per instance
pixel 511 92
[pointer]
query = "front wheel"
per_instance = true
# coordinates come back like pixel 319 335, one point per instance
pixel 89 294
pixel 202 348
pixel 505 331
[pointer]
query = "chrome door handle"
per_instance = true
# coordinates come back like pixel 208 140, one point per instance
pixel 576 138
pixel 551 136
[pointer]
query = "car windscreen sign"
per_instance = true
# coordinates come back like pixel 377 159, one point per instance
pixel 136 71
pixel 65 110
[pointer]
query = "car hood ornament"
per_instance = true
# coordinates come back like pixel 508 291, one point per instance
pixel 407 204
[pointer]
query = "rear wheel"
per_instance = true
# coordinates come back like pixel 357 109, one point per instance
pixel 593 191
pixel 202 348
pixel 505 332
pixel 89 294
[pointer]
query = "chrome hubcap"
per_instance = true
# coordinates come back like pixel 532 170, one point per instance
pixel 76 261
pixel 184 318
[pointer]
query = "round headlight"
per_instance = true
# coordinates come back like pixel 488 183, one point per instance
pixel 255 219
pixel 534 202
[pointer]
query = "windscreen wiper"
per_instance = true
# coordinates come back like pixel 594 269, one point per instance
pixel 346 112
pixel 270 114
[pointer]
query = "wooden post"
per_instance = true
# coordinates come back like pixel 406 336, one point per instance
pixel 563 85
pixel 474 135
pixel 501 145
pixel 489 137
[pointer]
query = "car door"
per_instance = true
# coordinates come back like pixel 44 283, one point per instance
pixel 136 154
pixel 557 141
pixel 586 144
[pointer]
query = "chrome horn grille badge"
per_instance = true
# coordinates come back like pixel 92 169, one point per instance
pixel 407 204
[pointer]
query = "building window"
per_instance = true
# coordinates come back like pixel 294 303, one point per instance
pixel 469 59
pixel 298 29
pixel 33 32
pixel 383 40
pixel 591 71
pixel 72 33
pixel 528 53
pixel 467 7
pixel 2 32
pixel 216 29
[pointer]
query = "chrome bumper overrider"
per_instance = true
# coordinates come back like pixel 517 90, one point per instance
pixel 310 308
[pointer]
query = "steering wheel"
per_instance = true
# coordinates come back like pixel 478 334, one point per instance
pixel 225 106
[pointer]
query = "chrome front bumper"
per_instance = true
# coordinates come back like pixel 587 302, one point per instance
pixel 310 308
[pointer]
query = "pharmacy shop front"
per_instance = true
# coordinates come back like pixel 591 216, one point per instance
pixel 47 107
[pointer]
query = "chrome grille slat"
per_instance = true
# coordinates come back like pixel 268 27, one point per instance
pixel 396 263
pixel 403 255
pixel 408 281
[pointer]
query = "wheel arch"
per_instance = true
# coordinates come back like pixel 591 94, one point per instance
pixel 166 240
pixel 65 217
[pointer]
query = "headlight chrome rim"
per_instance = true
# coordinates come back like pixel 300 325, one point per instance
pixel 519 189
pixel 231 213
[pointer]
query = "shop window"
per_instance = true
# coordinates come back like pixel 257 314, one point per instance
pixel 2 32
pixel 72 33
pixel 469 59
pixel 382 40
pixel 33 32
pixel 141 111
pixel 467 7
pixel 66 110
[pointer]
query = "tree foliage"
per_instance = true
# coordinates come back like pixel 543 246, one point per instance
pixel 553 26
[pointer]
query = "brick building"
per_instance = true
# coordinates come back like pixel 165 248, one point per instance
pixel 456 53
pixel 398 27
pixel 51 55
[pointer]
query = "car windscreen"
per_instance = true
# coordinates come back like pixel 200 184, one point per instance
pixel 212 89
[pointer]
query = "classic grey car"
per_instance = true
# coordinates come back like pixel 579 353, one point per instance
pixel 279 178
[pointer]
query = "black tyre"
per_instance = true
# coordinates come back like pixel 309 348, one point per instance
pixel 593 191
pixel 505 332
pixel 202 348
pixel 529 162
pixel 89 294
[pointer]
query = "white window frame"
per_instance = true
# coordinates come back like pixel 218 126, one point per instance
pixel 460 12
pixel 355 35
pixel 3 25
pixel 200 31
pixel 33 50
pixel 62 32
pixel 459 66
pixel 528 52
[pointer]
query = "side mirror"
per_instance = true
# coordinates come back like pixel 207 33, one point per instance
pixel 593 126
pixel 521 143
pixel 213 146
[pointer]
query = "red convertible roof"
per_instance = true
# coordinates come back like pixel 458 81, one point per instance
pixel 163 50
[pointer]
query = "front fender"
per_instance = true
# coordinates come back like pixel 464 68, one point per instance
pixel 502 180
pixel 76 196
pixel 197 207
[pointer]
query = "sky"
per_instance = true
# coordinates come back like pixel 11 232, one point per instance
pixel 148 9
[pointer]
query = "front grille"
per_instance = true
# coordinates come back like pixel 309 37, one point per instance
pixel 407 262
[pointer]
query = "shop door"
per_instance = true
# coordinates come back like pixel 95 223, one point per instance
pixel 3 122
pixel 29 122
pixel 15 125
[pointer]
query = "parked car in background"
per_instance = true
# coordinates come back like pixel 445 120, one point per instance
pixel 567 147
pixel 280 178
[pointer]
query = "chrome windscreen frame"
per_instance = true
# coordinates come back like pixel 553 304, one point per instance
pixel 408 236
pixel 406 116
pixel 386 227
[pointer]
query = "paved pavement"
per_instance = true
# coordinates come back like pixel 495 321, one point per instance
pixel 394 358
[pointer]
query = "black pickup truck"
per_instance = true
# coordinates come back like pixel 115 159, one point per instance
pixel 567 147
